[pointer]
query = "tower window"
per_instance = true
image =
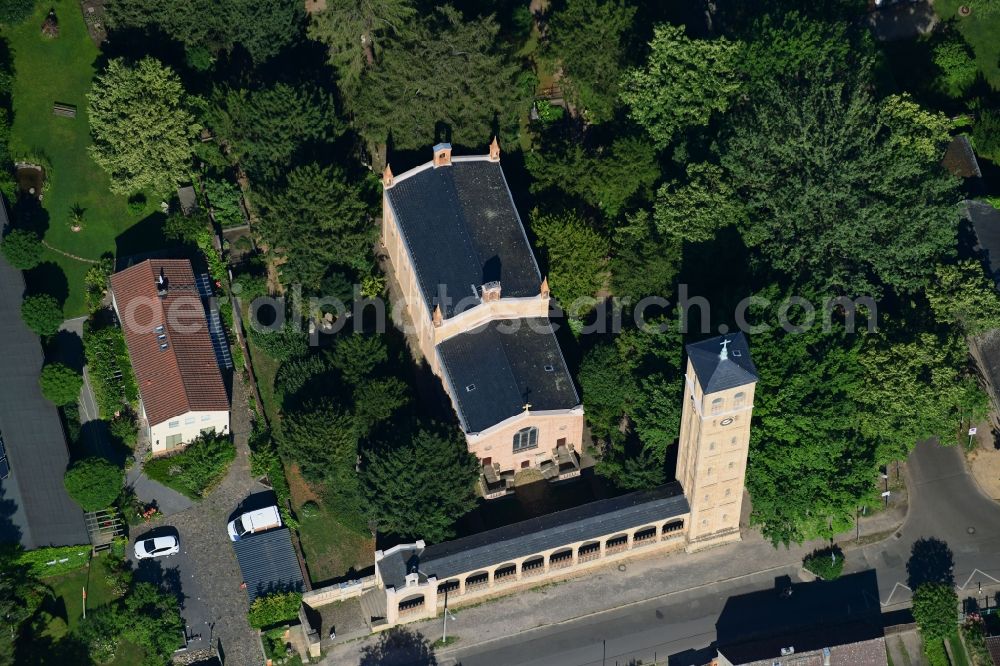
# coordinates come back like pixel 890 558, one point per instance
pixel 728 492
pixel 732 465
pixel 711 446
pixel 733 441
pixel 739 400
pixel 708 472
pixel 525 438
pixel 716 406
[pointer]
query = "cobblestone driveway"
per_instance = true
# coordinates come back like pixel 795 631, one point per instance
pixel 215 607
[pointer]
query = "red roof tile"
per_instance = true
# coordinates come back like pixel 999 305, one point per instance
pixel 185 375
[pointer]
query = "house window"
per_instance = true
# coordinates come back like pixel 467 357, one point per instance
pixel 174 424
pixel 173 441
pixel 716 406
pixel 525 438
pixel 739 400
pixel 189 420
pixel 206 417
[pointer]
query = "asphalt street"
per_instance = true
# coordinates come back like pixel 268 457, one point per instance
pixel 945 503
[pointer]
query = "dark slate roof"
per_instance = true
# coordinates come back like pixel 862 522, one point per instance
pixel 510 363
pixel 504 544
pixel 960 159
pixel 756 626
pixel 717 373
pixel 986 223
pixel 462 230
pixel 34 506
pixel 268 563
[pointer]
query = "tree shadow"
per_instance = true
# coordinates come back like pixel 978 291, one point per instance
pixel 27 213
pixel 66 347
pixel 931 561
pixel 48 278
pixel 153 571
pixel 142 240
pixel 10 532
pixel 399 647
pixel 42 649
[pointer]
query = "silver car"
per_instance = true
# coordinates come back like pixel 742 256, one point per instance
pixel 160 546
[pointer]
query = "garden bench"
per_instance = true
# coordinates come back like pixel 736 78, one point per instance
pixel 66 110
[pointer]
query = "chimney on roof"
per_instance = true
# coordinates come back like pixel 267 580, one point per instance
pixel 161 284
pixel 544 291
pixel 494 150
pixel 387 177
pixel 442 155
pixel 491 291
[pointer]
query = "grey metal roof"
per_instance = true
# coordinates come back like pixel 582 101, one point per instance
pixel 34 506
pixel 497 368
pixel 527 537
pixel 717 372
pixel 462 230
pixel 268 563
pixel 986 223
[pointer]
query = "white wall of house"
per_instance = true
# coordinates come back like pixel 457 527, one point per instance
pixel 180 430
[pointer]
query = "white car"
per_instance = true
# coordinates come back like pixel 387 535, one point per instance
pixel 160 546
pixel 253 522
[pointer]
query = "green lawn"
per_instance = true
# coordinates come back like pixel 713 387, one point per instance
pixel 61 69
pixel 980 29
pixel 331 549
pixel 961 657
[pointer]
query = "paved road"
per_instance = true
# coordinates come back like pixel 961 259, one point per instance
pixel 945 503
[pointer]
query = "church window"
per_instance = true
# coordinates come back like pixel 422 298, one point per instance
pixel 716 406
pixel 739 400
pixel 525 438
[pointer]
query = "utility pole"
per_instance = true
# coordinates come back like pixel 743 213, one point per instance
pixel 444 630
pixel 604 652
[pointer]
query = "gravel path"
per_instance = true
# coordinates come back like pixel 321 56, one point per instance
pixel 213 604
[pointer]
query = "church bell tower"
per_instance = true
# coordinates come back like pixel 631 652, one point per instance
pixel 715 437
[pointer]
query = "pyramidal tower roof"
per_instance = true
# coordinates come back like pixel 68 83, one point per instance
pixel 722 363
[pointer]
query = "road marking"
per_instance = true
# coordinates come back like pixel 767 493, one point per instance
pixel 894 588
pixel 974 572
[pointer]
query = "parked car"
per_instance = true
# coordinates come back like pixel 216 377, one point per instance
pixel 160 546
pixel 252 522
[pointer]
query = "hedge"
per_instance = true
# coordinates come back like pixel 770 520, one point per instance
pixel 276 608
pixel 55 560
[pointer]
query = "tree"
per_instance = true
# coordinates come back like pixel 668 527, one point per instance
pixel 682 84
pixel 589 38
pixel 986 134
pixel 377 400
pixel 963 295
pixel 444 76
pixel 695 210
pixel 607 178
pixel 94 483
pixel 22 249
pixel 264 129
pixel 21 594
pixel 206 28
pixel 42 314
pixel 60 384
pixel 274 608
pixel 419 489
pixel 957 69
pixel 831 194
pixel 356 356
pixel 609 391
pixel 321 438
pixel 317 218
pixel 13 12
pixel 643 263
pixel 935 610
pixel 146 616
pixel 142 127
pixel 354 32
pixel 577 259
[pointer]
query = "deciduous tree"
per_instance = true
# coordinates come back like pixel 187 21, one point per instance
pixel 22 249
pixel 42 314
pixel 420 488
pixel 94 483
pixel 963 295
pixel 577 259
pixel 682 84
pixel 693 211
pixel 143 129
pixel 60 384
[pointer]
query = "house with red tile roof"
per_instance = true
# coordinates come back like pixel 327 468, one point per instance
pixel 162 312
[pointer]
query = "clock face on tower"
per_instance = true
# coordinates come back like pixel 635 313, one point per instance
pixel 725 422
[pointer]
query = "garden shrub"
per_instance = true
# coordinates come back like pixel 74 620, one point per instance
pixel 137 203
pixel 195 470
pixel 94 483
pixel 42 314
pixel 13 12
pixel 224 198
pixel 22 248
pixel 309 510
pixel 986 134
pixel 827 563
pixel 60 384
pixel 107 357
pixel 55 560
pixel 935 652
pixel 275 608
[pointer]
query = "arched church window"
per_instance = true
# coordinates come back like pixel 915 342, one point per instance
pixel 739 400
pixel 716 406
pixel 525 438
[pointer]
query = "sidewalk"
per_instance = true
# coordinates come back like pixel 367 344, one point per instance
pixel 608 588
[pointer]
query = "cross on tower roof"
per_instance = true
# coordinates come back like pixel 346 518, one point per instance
pixel 724 354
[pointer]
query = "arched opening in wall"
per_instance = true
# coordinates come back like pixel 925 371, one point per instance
pixel 716 406
pixel 589 551
pixel 561 558
pixel 739 400
pixel 644 536
pixel 533 567
pixel 504 572
pixel 411 604
pixel 476 581
pixel 449 586
pixel 616 544
pixel 673 528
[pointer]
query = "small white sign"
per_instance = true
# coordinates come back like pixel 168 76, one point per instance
pixel 972 431
pixel 885 494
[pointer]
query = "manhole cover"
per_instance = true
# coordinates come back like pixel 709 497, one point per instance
pixel 971 530
pixel 621 567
